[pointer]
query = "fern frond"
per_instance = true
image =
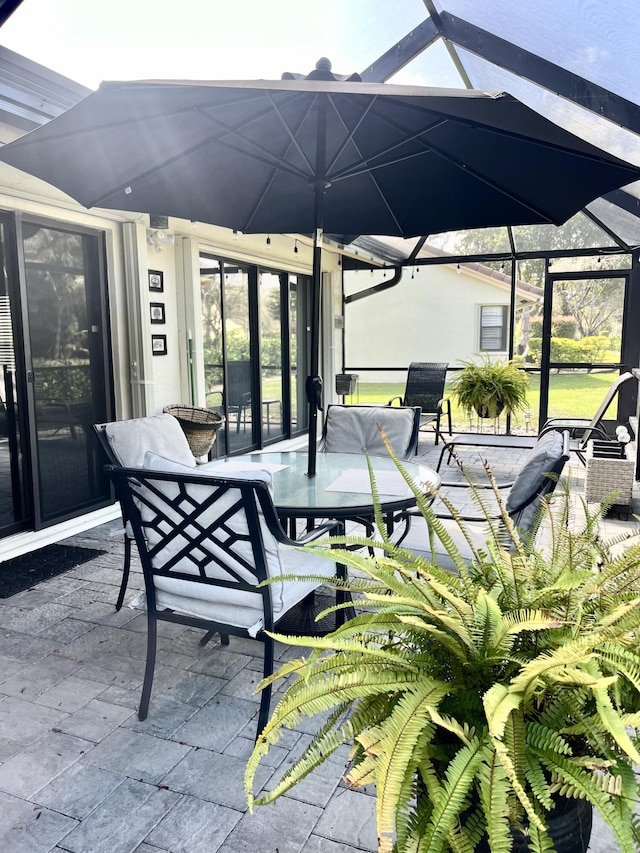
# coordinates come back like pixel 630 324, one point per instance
pixel 453 793
pixel 494 794
pixel 396 760
pixel 584 785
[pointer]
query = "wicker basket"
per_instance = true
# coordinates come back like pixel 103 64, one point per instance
pixel 200 426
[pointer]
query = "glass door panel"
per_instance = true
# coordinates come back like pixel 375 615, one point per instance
pixel 271 344
pixel 65 369
pixel 586 344
pixel 14 505
pixel 299 329
pixel 239 399
pixel 211 303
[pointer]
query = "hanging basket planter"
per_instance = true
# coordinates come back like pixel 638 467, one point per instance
pixel 200 426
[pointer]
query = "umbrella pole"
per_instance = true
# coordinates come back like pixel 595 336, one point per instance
pixel 314 380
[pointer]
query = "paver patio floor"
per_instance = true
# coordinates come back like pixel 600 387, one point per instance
pixel 79 772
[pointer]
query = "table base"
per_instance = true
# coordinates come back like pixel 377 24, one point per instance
pixel 300 620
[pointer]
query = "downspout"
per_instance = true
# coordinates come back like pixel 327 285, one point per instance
pixel 376 288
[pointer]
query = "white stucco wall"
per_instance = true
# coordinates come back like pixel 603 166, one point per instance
pixel 430 315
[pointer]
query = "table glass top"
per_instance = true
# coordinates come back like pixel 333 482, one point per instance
pixel 341 481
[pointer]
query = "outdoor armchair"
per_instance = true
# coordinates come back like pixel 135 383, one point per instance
pixel 425 388
pixel 125 443
pixel 206 543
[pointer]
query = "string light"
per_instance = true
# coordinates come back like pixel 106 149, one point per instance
pixel 458 269
pixel 295 247
pixel 268 242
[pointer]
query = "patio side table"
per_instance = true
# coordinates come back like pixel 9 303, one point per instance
pixel 606 474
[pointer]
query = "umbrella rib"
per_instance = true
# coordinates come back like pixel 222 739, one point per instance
pixel 364 164
pixel 293 142
pixel 364 167
pixel 371 175
pixel 263 156
pixel 290 134
pixel 349 138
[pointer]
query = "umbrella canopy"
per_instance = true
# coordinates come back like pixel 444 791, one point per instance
pixel 306 155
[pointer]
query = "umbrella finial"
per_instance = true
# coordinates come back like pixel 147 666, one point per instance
pixel 323 71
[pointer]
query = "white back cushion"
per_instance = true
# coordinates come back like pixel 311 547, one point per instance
pixel 162 434
pixel 354 429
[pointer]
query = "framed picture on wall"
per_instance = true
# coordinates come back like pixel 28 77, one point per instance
pixel 159 344
pixel 156 281
pixel 156 312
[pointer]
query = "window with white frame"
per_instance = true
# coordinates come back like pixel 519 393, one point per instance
pixel 493 328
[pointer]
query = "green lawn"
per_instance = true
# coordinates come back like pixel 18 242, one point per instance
pixel 575 395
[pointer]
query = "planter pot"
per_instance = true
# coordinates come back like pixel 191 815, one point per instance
pixel 491 410
pixel 569 827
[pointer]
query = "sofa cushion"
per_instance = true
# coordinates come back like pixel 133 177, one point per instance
pixel 532 478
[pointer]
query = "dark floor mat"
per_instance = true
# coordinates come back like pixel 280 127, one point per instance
pixel 20 573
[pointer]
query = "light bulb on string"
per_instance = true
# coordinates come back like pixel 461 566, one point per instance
pixel 268 242
pixel 295 247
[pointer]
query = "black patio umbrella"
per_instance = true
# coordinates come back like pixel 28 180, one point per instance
pixel 318 154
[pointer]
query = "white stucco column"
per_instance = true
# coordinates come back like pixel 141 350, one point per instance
pixel 139 327
pixel 190 318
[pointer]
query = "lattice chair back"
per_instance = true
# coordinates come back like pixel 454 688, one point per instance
pixel 205 544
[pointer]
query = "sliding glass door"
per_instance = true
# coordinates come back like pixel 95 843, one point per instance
pixel 54 377
pixel 254 326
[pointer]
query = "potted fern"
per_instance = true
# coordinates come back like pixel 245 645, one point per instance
pixel 490 387
pixel 494 707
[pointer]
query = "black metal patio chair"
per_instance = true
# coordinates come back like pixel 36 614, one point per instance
pixel 356 429
pixel 206 543
pixel 125 443
pixel 425 388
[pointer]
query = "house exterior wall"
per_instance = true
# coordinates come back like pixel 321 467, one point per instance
pixel 430 315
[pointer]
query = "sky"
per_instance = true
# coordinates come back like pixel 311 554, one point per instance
pixel 94 40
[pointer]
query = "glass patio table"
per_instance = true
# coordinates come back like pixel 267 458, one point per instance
pixel 340 488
